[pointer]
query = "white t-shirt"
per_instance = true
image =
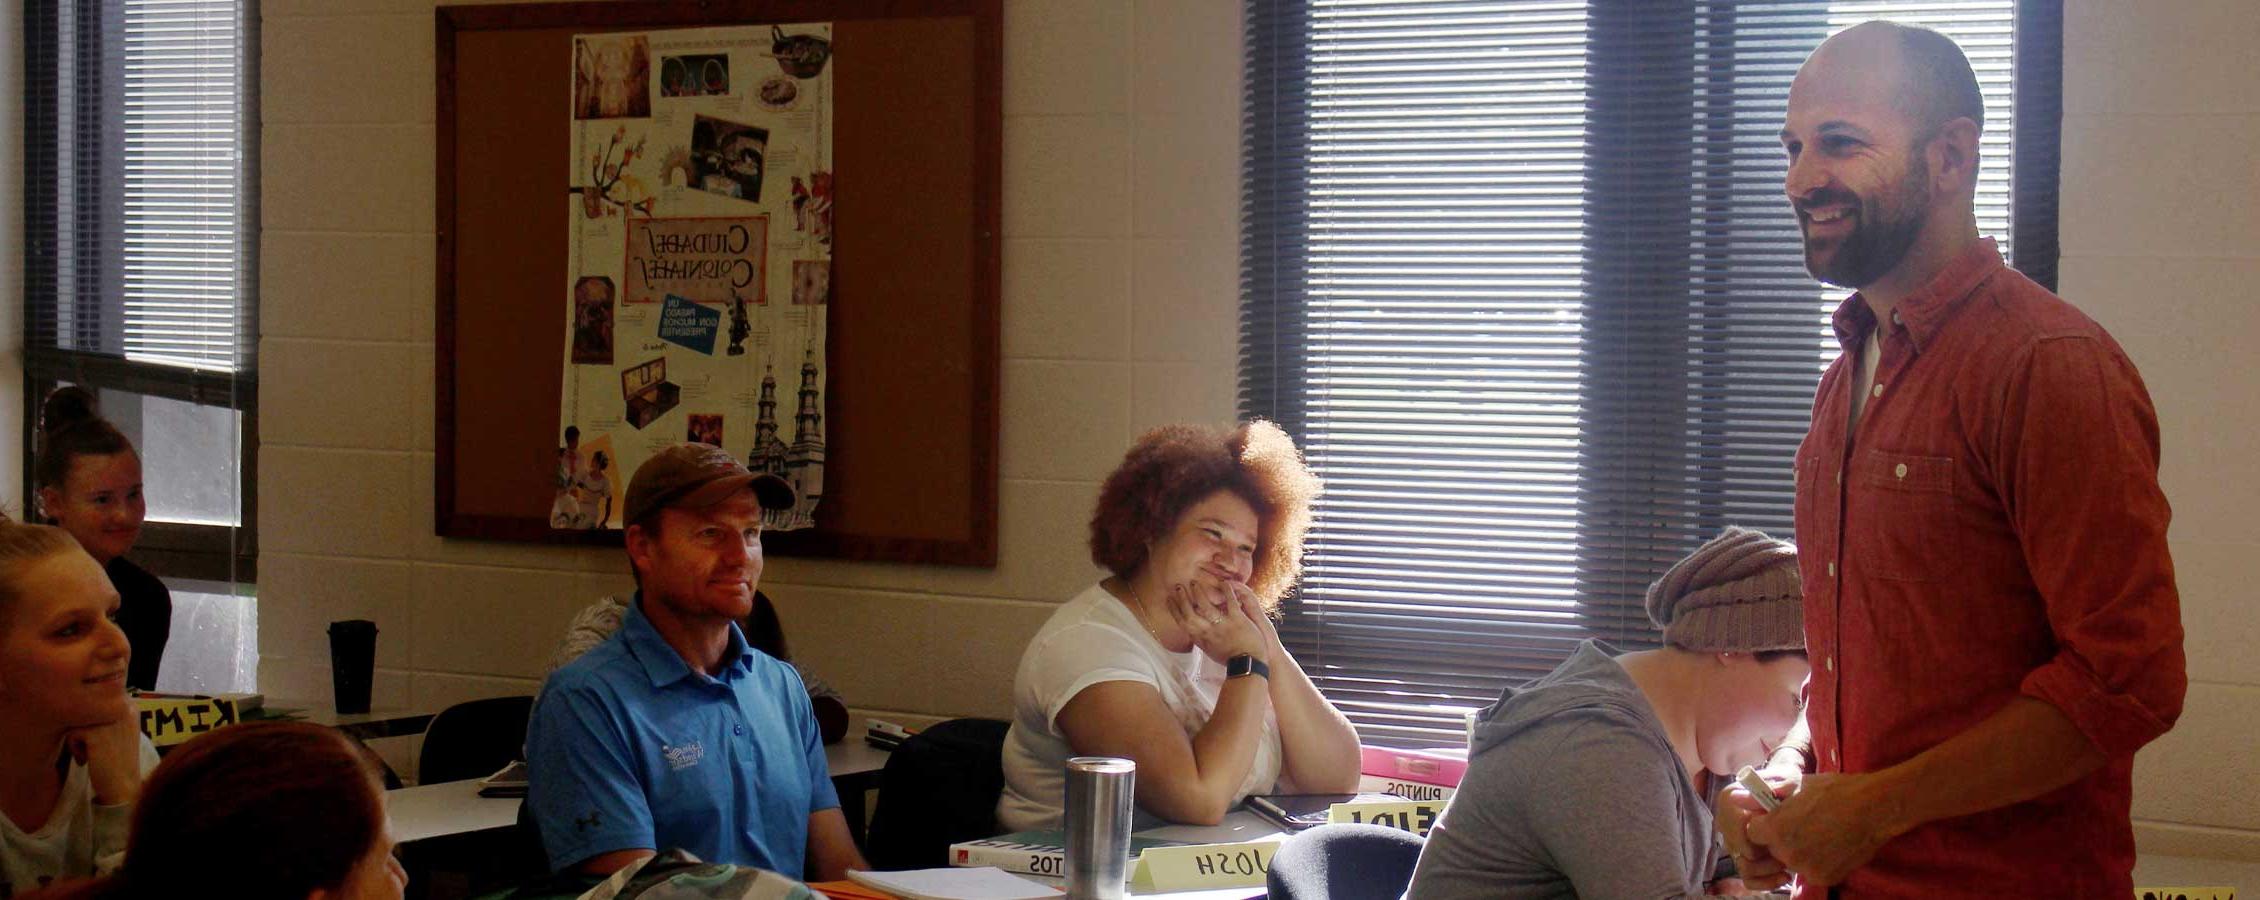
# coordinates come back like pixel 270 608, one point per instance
pixel 79 839
pixel 1091 639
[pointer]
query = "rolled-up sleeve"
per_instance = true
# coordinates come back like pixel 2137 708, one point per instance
pixel 2079 438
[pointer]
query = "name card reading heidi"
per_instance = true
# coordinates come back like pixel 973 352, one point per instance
pixel 1203 866
pixel 1416 816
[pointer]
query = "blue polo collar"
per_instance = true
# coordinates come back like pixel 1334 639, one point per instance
pixel 658 658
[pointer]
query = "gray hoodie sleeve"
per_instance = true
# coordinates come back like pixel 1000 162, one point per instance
pixel 1578 806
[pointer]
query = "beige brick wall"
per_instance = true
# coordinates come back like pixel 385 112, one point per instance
pixel 1119 288
pixel 2161 243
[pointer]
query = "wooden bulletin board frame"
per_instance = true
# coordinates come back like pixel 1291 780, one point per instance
pixel 911 419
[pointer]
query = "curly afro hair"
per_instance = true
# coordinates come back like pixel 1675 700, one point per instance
pixel 1175 466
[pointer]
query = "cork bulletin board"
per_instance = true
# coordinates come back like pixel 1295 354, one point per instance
pixel 912 342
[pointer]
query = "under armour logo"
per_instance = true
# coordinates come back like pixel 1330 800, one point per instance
pixel 595 818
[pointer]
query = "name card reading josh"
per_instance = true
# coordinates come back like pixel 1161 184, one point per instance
pixel 1416 816
pixel 1203 866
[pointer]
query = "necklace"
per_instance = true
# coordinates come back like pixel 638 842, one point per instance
pixel 1138 611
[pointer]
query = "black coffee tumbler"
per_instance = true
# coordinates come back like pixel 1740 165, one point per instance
pixel 353 663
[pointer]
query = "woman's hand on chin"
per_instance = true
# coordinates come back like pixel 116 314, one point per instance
pixel 111 753
pixel 1217 621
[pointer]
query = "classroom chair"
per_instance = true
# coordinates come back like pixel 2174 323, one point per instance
pixel 1344 862
pixel 474 740
pixel 940 787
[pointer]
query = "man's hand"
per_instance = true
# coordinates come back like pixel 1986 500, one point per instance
pixel 1832 825
pixel 1759 868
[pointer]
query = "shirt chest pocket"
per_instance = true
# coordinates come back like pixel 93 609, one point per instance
pixel 1901 523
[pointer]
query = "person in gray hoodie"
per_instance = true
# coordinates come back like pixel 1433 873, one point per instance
pixel 1593 780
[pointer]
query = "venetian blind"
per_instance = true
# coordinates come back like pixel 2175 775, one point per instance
pixel 136 184
pixel 1520 278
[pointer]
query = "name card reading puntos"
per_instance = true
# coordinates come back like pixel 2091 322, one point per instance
pixel 1416 816
pixel 1203 866
pixel 2185 893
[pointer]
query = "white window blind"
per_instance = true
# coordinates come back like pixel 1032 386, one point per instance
pixel 1521 279
pixel 183 286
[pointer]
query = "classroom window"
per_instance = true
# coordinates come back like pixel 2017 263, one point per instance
pixel 140 229
pixel 1520 278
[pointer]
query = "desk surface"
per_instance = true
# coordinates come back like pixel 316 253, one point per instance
pixel 851 756
pixel 376 723
pixel 455 807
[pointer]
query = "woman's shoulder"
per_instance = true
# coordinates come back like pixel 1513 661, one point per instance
pixel 132 580
pixel 1093 608
pixel 1092 630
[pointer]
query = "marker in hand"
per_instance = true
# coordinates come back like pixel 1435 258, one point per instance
pixel 1757 786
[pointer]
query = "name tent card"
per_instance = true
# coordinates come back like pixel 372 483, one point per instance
pixel 1205 866
pixel 1416 816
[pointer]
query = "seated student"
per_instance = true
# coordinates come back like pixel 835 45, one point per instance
pixel 1172 660
pixel 89 482
pixel 1593 781
pixel 761 627
pixel 294 811
pixel 71 750
pixel 674 732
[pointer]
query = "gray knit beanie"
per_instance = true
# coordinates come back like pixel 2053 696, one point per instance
pixel 1737 593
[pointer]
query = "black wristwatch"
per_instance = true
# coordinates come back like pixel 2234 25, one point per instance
pixel 1244 664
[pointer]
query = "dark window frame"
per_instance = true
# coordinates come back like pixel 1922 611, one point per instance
pixel 1277 249
pixel 90 286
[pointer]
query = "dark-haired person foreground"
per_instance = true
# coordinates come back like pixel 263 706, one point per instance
pixel 258 811
pixel 1172 660
pixel 71 750
pixel 1989 601
pixel 88 478
pixel 1595 779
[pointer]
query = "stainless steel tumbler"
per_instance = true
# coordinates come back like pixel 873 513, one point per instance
pixel 1100 790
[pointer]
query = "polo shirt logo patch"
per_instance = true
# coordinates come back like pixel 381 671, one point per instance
pixel 683 756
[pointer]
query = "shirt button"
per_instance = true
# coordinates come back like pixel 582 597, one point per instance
pixel 1878 392
pixel 1832 759
pixel 1832 570
pixel 1828 663
pixel 738 730
pixel 1899 470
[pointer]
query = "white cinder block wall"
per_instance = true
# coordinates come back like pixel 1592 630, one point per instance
pixel 2160 235
pixel 1120 137
pixel 1119 288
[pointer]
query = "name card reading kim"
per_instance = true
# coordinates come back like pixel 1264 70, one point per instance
pixel 1416 816
pixel 169 720
pixel 1203 866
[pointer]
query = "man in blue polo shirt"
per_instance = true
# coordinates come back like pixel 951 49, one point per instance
pixel 674 733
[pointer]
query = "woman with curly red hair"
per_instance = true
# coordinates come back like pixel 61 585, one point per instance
pixel 1172 660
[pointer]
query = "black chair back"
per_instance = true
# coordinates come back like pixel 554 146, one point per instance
pixel 1344 862
pixel 940 787
pixel 474 740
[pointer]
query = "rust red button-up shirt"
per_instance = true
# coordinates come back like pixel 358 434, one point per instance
pixel 1992 529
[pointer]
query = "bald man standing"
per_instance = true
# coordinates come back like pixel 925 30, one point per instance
pixel 1989 604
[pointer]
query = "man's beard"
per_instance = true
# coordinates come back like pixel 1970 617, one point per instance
pixel 1881 235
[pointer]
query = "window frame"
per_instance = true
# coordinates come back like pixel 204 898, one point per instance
pixel 213 553
pixel 1277 241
